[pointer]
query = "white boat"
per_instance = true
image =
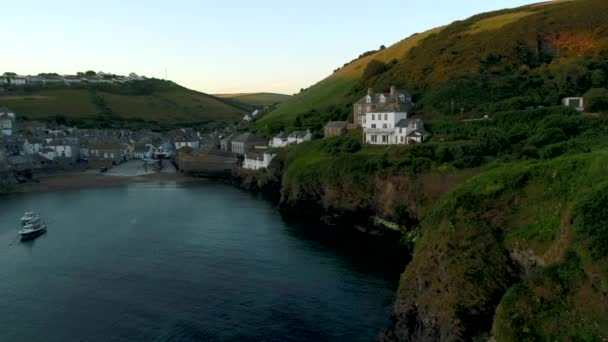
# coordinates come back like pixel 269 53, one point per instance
pixel 31 226
pixel 29 218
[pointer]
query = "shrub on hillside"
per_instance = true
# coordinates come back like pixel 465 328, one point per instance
pixel 374 68
pixel 591 220
pixel 492 140
pixel 556 150
pixel 597 100
pixel 547 136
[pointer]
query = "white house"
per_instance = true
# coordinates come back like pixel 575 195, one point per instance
pixel 164 151
pixel 279 140
pixel 48 153
pixel 18 80
pixel 7 121
pixel 64 148
pixel 258 159
pixel 143 151
pixel 33 145
pixel 298 137
pixel 392 128
pixel 186 142
pixel 255 113
pixel 577 103
pixel 247 118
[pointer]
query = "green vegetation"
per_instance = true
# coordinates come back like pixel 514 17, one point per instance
pixel 544 53
pixel 256 100
pixel 152 104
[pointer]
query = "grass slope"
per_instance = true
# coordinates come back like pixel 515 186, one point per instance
pixel 256 99
pixel 335 90
pixel 155 101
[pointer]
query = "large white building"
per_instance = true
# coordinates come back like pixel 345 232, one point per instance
pixel 392 128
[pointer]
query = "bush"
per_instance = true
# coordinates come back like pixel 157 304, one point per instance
pixel 374 68
pixel 548 136
pixel 597 100
pixel 556 150
pixel 591 220
pixel 492 140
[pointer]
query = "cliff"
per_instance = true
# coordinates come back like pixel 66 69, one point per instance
pixel 512 249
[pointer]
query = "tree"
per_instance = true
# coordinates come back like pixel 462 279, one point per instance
pixel 597 100
pixel 492 140
pixel 374 68
pixel 10 74
pixel 382 47
pixel 90 73
pixel 564 75
pixel 598 78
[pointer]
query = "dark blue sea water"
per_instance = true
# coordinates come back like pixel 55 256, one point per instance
pixel 164 261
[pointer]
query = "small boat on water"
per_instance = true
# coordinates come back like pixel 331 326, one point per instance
pixel 31 226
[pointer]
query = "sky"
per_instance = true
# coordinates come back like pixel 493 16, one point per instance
pixel 215 46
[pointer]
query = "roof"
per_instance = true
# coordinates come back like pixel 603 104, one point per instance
pixel 142 148
pixel 281 135
pixel 248 137
pixel 6 117
pixel 336 124
pixel 106 146
pixel 418 132
pixel 298 134
pixel 388 98
pixel 407 122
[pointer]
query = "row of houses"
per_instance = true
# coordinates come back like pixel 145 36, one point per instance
pixel 65 147
pixel 45 79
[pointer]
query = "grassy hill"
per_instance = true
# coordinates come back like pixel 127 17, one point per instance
pixel 503 60
pixel 150 103
pixel 256 99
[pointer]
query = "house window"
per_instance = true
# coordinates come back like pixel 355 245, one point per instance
pixel 385 138
pixel 374 138
pixel 385 116
pixel 401 138
pixel 373 116
pixel 373 125
pixel 384 126
pixel 400 130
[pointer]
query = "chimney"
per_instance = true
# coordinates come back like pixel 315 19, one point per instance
pixel 393 91
pixel 370 91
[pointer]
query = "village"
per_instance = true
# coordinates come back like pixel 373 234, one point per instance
pixel 33 148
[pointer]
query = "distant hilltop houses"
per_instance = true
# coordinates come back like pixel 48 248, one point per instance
pixel 81 77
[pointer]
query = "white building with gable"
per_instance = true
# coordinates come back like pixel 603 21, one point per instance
pixel 392 128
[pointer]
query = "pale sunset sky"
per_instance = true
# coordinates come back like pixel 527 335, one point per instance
pixel 215 46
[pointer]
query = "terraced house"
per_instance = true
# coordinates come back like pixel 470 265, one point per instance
pixel 393 128
pixel 394 101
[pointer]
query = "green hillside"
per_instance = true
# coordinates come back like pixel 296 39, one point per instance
pixel 504 60
pixel 149 103
pixel 257 100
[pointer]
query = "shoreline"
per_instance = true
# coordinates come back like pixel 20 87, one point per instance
pixel 83 180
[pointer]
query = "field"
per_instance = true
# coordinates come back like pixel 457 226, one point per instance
pixel 153 101
pixel 256 99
